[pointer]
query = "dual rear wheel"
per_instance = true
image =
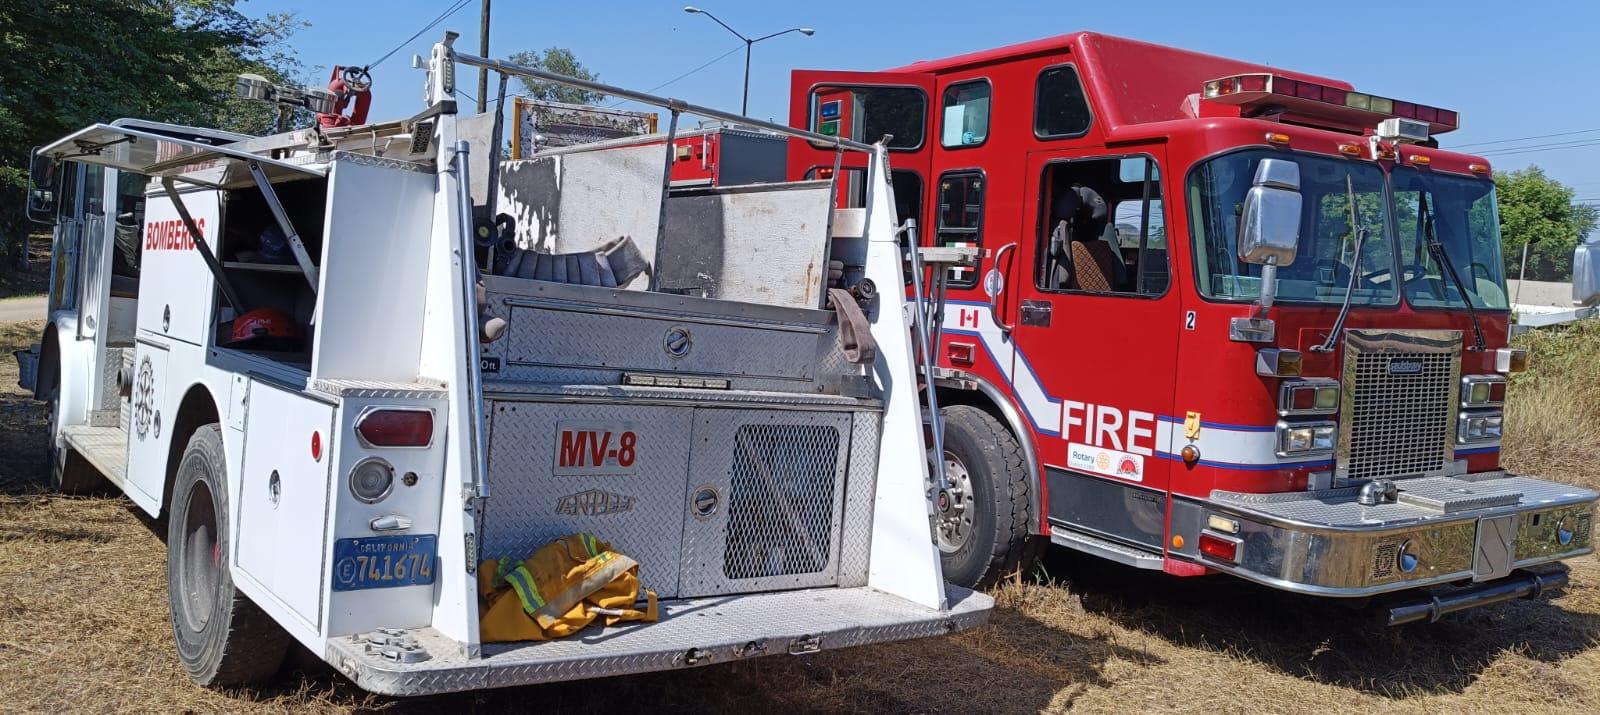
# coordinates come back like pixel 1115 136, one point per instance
pixel 223 639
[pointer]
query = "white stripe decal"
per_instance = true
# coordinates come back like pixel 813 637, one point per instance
pixel 1249 447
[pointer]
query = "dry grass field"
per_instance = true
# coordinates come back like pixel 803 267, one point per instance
pixel 83 621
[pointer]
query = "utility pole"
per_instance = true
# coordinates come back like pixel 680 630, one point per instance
pixel 483 51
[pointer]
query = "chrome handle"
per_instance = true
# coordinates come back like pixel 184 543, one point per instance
pixel 994 300
pixel 392 522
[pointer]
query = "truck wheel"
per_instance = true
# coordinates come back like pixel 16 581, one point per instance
pixel 982 523
pixel 223 639
pixel 69 472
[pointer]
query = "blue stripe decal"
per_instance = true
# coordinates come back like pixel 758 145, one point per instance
pixel 1222 425
pixel 1477 450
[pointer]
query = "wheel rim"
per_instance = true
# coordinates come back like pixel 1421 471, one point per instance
pixel 201 565
pixel 954 507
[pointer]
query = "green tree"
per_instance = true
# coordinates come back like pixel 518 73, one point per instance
pixel 559 60
pixel 1538 208
pixel 65 64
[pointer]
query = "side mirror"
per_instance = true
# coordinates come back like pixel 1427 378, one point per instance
pixel 1586 274
pixel 41 188
pixel 1269 231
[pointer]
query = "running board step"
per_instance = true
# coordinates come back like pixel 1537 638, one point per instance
pixel 1105 548
pixel 104 448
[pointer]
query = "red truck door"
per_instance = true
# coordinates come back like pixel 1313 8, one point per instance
pixel 864 106
pixel 1095 329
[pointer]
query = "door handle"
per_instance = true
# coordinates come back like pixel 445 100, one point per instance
pixel 994 298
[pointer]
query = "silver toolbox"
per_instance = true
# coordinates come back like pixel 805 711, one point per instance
pixel 709 500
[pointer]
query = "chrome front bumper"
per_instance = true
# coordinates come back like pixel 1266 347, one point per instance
pixel 1440 530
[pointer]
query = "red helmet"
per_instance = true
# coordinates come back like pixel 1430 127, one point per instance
pixel 264 325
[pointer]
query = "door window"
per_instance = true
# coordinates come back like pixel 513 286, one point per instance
pixel 966 115
pixel 960 219
pixel 1104 230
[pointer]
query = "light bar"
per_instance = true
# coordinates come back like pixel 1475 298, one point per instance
pixel 1310 97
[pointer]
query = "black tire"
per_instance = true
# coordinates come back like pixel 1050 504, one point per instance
pixel 998 543
pixel 223 639
pixel 70 473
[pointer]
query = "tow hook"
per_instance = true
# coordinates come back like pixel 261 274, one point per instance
pixel 694 656
pixel 804 645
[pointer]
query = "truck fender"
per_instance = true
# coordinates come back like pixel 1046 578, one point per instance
pixel 964 387
pixel 49 362
pixel 197 408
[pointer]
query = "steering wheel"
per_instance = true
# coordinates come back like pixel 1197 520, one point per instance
pixel 357 79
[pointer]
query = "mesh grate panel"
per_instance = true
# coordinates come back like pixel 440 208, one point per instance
pixel 1400 415
pixel 780 502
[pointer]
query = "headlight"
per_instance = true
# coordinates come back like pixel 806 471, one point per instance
pixel 1300 439
pixel 1474 427
pixel 371 480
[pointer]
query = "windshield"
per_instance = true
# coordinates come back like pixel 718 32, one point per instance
pixel 1467 225
pixel 1327 252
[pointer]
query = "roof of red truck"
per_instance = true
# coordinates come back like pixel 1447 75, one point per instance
pixel 1136 82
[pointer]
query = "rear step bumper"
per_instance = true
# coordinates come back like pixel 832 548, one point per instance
pixel 1477 528
pixel 1521 584
pixel 691 632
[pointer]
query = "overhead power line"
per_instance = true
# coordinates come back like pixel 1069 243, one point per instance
pixel 453 9
pixel 675 80
pixel 1534 148
pixel 1519 139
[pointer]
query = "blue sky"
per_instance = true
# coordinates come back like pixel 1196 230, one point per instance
pixel 1510 77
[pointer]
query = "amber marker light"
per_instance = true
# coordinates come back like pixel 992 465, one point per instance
pixel 1190 454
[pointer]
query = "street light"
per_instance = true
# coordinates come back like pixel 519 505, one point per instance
pixel 744 107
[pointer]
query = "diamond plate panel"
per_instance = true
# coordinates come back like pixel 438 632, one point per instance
pixel 778 480
pixel 691 633
pixel 1338 508
pixel 861 486
pixel 569 338
pixel 641 514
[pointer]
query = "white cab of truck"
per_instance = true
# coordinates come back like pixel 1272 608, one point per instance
pixel 299 350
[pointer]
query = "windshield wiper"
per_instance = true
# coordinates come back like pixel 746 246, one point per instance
pixel 1360 232
pixel 1437 249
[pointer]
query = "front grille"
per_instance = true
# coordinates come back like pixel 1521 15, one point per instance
pixel 1401 390
pixel 780 501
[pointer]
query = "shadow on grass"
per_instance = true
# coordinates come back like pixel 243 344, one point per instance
pixel 1325 640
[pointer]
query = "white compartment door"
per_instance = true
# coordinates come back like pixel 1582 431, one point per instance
pixel 149 418
pixel 282 503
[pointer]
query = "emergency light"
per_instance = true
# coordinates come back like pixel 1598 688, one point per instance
pixel 1261 89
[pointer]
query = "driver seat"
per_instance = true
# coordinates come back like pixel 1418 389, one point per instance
pixel 1084 259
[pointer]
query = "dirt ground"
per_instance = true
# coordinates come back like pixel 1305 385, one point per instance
pixel 83 627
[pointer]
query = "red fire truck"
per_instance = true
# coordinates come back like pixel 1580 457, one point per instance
pixel 1228 318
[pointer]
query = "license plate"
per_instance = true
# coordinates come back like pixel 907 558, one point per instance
pixel 383 561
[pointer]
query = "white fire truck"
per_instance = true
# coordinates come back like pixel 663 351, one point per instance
pixel 343 393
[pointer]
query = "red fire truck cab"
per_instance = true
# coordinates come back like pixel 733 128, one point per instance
pixel 1213 327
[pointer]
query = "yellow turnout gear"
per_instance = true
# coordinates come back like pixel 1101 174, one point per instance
pixel 564 586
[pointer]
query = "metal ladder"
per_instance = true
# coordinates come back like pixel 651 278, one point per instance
pixel 928 300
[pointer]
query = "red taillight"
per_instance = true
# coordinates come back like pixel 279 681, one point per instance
pixel 960 353
pixel 1219 548
pixel 396 428
pixel 1497 392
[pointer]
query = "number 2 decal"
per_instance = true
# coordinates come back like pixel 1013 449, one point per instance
pixel 1188 320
